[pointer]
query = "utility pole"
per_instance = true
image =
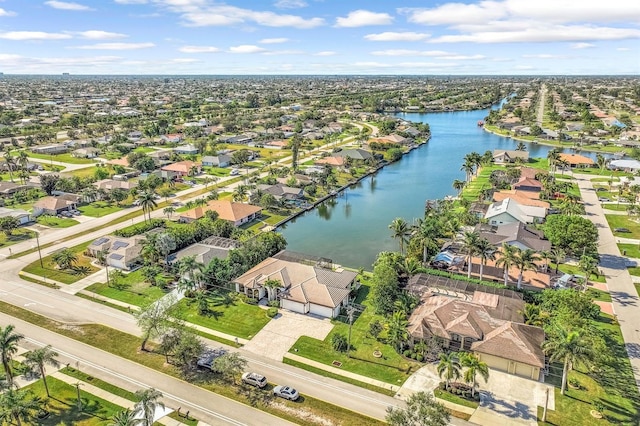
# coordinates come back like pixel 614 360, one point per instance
pixel 546 402
pixel 39 252
pixel 350 312
pixel 77 385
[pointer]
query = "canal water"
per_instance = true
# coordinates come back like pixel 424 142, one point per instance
pixel 352 228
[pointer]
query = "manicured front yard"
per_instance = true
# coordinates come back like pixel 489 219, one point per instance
pixel 51 271
pixel 62 158
pixel 391 368
pixel 64 409
pixel 227 314
pixel 56 222
pixel 613 207
pixel 99 208
pixel 612 383
pixel 617 221
pixel 633 250
pixel 132 289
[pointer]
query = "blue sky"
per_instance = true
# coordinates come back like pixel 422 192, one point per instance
pixel 320 37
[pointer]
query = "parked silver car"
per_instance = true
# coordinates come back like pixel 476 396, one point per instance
pixel 286 392
pixel 254 379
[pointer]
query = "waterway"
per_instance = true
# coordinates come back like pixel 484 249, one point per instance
pixel 353 227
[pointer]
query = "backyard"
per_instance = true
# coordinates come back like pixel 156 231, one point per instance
pixel 390 368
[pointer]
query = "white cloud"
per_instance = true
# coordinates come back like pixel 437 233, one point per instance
pixel 290 4
pixel 362 18
pixel 622 49
pixel 32 35
pixel 283 52
pixel 200 13
pixel 392 36
pixel 199 49
pixel 116 46
pixel 273 40
pixel 325 53
pixel 431 53
pixel 582 45
pixel 4 12
pixel 131 1
pixel 100 35
pixel 63 5
pixel 184 60
pixel 544 56
pixel 246 48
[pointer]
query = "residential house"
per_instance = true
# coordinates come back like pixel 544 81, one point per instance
pixel 282 192
pixel 355 154
pixel 525 198
pixel 501 156
pixel 160 158
pixel 308 285
pixel 86 153
pixel 10 188
pixel 628 165
pixel 236 213
pixel 331 161
pixel 488 325
pixel 122 253
pixel 206 250
pixel 52 205
pixel 22 216
pixel 509 211
pixel 186 150
pixel 171 138
pixel 279 144
pixel 527 184
pixel 576 160
pixel 221 160
pixel 182 168
pixel 514 234
pixel 111 184
pixel 50 149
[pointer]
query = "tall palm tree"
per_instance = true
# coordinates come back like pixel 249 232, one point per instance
pixel 486 251
pixel 449 367
pixel 39 358
pixel 400 230
pixel 468 169
pixel 148 402
pixel 397 330
pixel 124 418
pixel 508 256
pixel 553 156
pixel 18 405
pixel 557 256
pixel 169 211
pixel 10 160
pixel 9 340
pixel 589 266
pixel 65 259
pixel 469 245
pixel 459 185
pixel 240 193
pixel 526 261
pixel 568 347
pixel 147 202
pixel 474 367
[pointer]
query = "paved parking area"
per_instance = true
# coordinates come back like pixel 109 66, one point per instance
pixel 505 399
pixel 278 336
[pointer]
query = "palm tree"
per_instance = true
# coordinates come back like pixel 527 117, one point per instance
pixel 397 330
pixel 23 160
pixel 190 267
pixel 272 286
pixel 474 367
pixel 589 266
pixel 148 402
pixel 568 347
pixel 147 202
pixel 526 261
pixel 521 146
pixel 469 245
pixel 508 256
pixel 240 193
pixel 459 185
pixel 39 358
pixel 9 348
pixel 124 418
pixel 10 160
pixel 65 259
pixel 449 367
pixel 18 405
pixel 400 230
pixel 468 169
pixel 169 211
pixel 557 256
pixel 486 251
pixel 553 156
pixel 533 315
pixel 601 161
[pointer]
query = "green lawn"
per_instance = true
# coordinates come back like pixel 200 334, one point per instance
pixel 574 270
pixel 62 158
pixel 538 163
pixel 127 346
pixel 439 393
pixel 618 221
pixel 634 271
pixel 99 208
pixel 64 409
pixel 56 222
pixel 18 236
pixel 227 314
pixel 606 179
pixel 135 290
pixel 268 217
pixel 480 182
pixel 613 384
pixel 51 272
pixel 391 368
pixel 218 171
pixel 633 250
pixel 614 207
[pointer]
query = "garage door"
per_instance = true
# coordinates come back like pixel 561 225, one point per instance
pixel 524 370
pixel 496 363
pixel 322 311
pixel 293 306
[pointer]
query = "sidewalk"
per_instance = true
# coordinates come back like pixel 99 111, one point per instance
pixel 112 398
pixel 97 277
pixel 340 372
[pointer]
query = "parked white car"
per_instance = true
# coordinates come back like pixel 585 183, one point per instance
pixel 286 392
pixel 254 379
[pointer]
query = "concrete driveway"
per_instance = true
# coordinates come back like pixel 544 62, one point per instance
pixel 276 338
pixel 504 400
